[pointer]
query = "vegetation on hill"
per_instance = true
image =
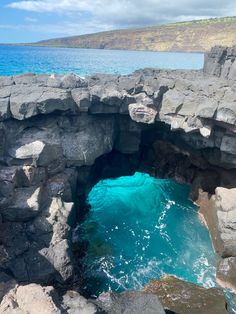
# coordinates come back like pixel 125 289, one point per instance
pixel 191 36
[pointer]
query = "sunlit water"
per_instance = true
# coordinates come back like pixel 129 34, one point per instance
pixel 17 60
pixel 140 228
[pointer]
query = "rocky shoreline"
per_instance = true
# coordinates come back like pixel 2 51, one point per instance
pixel 61 134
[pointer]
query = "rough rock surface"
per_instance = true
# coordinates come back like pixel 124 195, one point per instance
pixel 226 273
pixel 219 213
pixel 220 61
pixel 220 216
pixel 29 299
pixel 35 299
pixel 184 297
pixel 130 302
pixel 55 128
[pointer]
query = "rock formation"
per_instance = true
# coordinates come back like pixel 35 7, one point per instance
pixel 184 297
pixel 220 214
pixel 59 133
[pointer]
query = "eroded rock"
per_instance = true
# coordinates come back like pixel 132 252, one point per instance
pixel 184 297
pixel 130 302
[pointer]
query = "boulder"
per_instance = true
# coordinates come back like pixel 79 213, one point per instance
pixel 93 139
pixel 34 147
pixel 220 62
pixel 28 101
pixel 82 99
pixel 74 303
pixel 220 217
pixel 183 297
pixel 142 113
pixel 226 273
pixel 4 108
pixel 32 299
pixel 130 302
pixel 26 204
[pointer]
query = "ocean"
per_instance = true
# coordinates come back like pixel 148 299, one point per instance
pixel 20 59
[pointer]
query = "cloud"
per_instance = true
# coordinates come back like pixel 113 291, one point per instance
pixel 96 15
pixel 54 6
pixel 64 28
pixel 31 20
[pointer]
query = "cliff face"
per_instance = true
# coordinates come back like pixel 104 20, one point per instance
pixel 171 37
pixel 55 129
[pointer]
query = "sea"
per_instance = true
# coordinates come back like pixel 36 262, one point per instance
pixel 21 59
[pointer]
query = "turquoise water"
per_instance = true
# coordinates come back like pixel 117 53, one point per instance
pixel 16 60
pixel 140 228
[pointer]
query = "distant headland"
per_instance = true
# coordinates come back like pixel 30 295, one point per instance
pixel 189 36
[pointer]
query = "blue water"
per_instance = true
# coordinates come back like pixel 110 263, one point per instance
pixel 16 60
pixel 140 228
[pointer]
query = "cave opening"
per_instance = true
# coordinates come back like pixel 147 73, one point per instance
pixel 165 158
pixel 140 228
pixel 161 175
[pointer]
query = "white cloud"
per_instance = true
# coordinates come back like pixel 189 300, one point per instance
pixel 87 16
pixel 31 20
pixel 54 6
pixel 136 12
pixel 63 29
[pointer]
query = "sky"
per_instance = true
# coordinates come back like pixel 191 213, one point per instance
pixel 34 20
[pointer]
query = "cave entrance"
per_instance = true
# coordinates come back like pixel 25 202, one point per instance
pixel 139 228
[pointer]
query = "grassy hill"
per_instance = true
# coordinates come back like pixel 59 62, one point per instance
pixel 193 36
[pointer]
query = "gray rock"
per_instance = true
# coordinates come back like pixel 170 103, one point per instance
pixel 82 99
pixel 36 147
pixel 184 297
pixel 32 299
pixel 59 256
pixel 221 220
pixel 28 101
pixel 220 61
pixel 74 303
pixel 93 140
pixel 6 81
pixel 4 108
pixel 131 302
pixel 6 283
pixel 226 273
pixel 26 204
pixel 142 113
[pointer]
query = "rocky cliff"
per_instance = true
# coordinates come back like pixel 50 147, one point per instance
pixel 58 134
pixel 192 36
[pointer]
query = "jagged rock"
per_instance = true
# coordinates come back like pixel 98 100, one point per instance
pixel 28 101
pixel 82 99
pixel 74 303
pixel 94 139
pixel 184 297
pixel 32 299
pixel 220 62
pixel 220 217
pixel 25 205
pixel 53 127
pixel 226 273
pixel 4 108
pixel 35 147
pixel 35 299
pixel 63 185
pixel 130 302
pixel 142 113
pixel 129 137
pixel 6 283
pixel 59 256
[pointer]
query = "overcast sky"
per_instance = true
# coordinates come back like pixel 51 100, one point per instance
pixel 27 21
